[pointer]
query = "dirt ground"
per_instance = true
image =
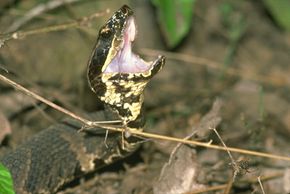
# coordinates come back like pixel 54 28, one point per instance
pixel 239 87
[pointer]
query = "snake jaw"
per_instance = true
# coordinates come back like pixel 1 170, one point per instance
pixel 124 60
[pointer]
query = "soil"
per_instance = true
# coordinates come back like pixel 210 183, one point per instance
pixel 249 79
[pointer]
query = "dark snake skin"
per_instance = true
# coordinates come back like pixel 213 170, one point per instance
pixel 60 153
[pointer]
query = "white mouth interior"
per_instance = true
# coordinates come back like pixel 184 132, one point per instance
pixel 125 60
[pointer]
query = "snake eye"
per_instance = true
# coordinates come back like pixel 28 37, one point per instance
pixel 106 32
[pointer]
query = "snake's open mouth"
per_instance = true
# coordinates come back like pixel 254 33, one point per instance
pixel 125 61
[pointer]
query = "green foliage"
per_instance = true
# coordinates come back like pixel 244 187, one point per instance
pixel 280 10
pixel 175 18
pixel 6 183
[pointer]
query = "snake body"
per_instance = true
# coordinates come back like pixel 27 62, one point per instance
pixel 60 154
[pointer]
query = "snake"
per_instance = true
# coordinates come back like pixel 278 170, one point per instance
pixel 59 154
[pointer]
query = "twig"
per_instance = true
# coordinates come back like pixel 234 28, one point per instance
pixel 43 113
pixel 36 11
pixel 221 187
pixel 136 132
pixel 233 162
pixel 229 186
pixel 229 153
pixel 53 105
pixel 22 34
pixel 212 146
pixel 3 68
pixel 279 81
pixel 261 185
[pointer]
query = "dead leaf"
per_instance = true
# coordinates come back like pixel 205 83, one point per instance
pixel 286 181
pixel 179 174
pixel 209 121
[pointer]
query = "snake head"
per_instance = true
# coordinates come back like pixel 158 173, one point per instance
pixel 116 74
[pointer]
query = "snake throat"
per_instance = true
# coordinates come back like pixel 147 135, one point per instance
pixel 116 74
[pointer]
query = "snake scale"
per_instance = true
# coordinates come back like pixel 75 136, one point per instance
pixel 59 154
